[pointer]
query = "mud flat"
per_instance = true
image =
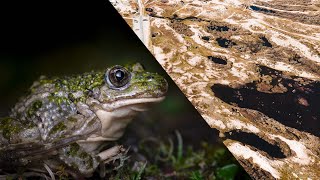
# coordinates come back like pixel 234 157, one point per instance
pixel 252 70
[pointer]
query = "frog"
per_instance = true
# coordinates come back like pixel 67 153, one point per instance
pixel 66 121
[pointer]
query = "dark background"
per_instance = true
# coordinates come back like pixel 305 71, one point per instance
pixel 56 38
pixel 61 38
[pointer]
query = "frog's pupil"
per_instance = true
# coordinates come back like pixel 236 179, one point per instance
pixel 119 75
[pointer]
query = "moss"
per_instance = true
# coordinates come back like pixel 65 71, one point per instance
pixel 181 162
pixel 58 128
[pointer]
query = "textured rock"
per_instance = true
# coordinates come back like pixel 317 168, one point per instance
pixel 251 68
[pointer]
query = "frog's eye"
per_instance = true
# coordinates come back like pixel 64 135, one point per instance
pixel 117 77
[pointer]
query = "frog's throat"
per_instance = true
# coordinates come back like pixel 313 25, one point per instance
pixel 114 122
pixel 114 118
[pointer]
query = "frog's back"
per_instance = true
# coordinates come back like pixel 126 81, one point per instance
pixel 40 111
pixel 44 122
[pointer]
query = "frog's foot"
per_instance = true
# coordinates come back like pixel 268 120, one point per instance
pixel 110 156
pixel 77 158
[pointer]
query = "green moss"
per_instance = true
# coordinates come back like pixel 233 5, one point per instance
pixel 58 128
pixel 181 162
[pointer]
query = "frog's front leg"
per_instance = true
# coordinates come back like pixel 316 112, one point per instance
pixel 88 116
pixel 77 158
pixel 84 121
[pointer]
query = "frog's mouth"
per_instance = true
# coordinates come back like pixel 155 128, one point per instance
pixel 138 104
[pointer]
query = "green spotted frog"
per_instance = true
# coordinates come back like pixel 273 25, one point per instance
pixel 65 121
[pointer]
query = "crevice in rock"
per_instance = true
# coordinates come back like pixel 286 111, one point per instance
pixel 206 38
pixel 259 9
pixel 255 141
pixel 225 43
pixel 217 60
pixel 218 28
pixel 175 17
pixel 286 12
pixel 266 42
pixel 292 101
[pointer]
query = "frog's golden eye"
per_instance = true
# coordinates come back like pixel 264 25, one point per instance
pixel 118 77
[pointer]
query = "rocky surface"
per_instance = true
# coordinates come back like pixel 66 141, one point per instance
pixel 252 70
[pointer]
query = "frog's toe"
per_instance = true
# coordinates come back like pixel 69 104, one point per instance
pixel 112 154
